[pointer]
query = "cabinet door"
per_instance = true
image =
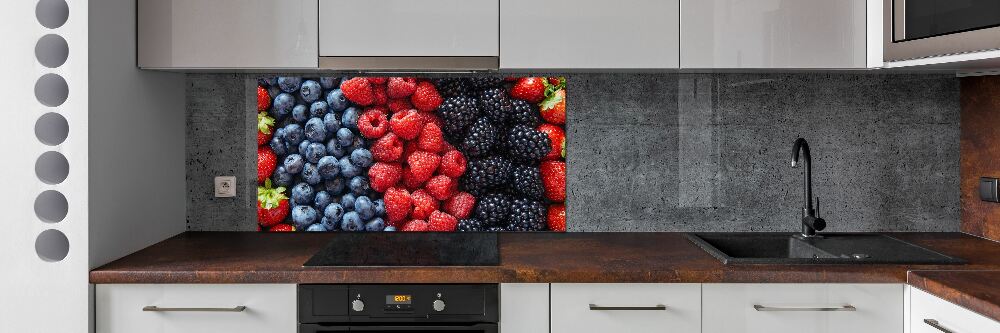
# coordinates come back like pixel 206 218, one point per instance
pixel 524 308
pixel 570 34
pixel 802 308
pixel 409 28
pixel 227 34
pixel 633 308
pixel 773 34
pixel 930 314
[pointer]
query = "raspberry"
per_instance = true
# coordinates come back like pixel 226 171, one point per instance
pixel 397 204
pixel 441 187
pixel 423 205
pixel 401 87
pixel 422 165
pixel 415 225
pixel 431 139
pixel 440 221
pixel 411 183
pixel 359 91
pixel 373 123
pixel 407 124
pixel 380 95
pixel 426 97
pixel 398 105
pixel 409 148
pixel 387 148
pixel 460 205
pixel 377 79
pixel 452 164
pixel 383 175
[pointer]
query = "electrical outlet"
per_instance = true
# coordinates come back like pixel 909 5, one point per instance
pixel 225 187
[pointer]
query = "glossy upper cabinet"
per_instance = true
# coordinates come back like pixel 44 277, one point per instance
pixel 589 34
pixel 193 34
pixel 780 34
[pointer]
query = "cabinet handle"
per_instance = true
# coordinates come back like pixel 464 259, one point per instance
pixel 596 307
pixel 759 307
pixel 159 309
pixel 935 324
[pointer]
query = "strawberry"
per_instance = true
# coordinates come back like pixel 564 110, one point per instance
pixel 554 179
pixel 282 228
pixel 406 124
pixel 373 123
pixel 359 91
pixel 554 108
pixel 401 87
pixel 399 104
pixel 377 79
pixel 426 97
pixel 452 164
pixel 272 205
pixel 397 204
pixel 423 205
pixel 263 99
pixel 266 162
pixel 415 225
pixel 441 187
pixel 431 139
pixel 384 175
pixel 557 137
pixel 380 95
pixel 388 148
pixel 441 221
pixel 265 125
pixel 422 165
pixel 460 205
pixel 557 218
pixel 555 81
pixel 531 89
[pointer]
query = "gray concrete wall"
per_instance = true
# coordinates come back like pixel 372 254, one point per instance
pixel 686 152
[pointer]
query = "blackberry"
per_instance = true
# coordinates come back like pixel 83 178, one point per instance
pixel 493 209
pixel 470 224
pixel 484 174
pixel 527 181
pixel 527 215
pixel 452 87
pixel 479 138
pixel 496 229
pixel 524 113
pixel 457 113
pixel 526 144
pixel 486 82
pixel 495 104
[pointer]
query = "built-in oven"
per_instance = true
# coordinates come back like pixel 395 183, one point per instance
pixel 916 29
pixel 378 308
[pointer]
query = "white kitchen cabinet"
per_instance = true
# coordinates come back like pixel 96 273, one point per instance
pixel 524 308
pixel 780 34
pixel 930 314
pixel 634 308
pixel 802 308
pixel 193 34
pixel 589 34
pixel 125 308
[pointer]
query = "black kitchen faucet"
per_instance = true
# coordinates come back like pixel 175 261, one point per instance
pixel 810 221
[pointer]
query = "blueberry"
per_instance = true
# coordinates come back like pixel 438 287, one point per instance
pixel 279 133
pixel 314 130
pixel 389 228
pixel 315 152
pixel 291 149
pixel 282 105
pixel 317 227
pixel 310 91
pixel 345 137
pixel 329 167
pixel 289 83
pixel 347 169
pixel 282 177
pixel 304 216
pixel 380 207
pixel 364 207
pixel 318 109
pixel 323 199
pixel 347 200
pixel 352 222
pixel 358 185
pixel 304 148
pixel 277 146
pixel 334 212
pixel 330 225
pixel 331 122
pixel 335 186
pixel 302 194
pixel 329 82
pixel 359 143
pixel 310 173
pixel 350 118
pixel 336 100
pixel 361 158
pixel 335 149
pixel 300 113
pixel 293 163
pixel 376 224
pixel 294 134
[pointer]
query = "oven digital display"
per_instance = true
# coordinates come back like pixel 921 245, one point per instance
pixel 398 299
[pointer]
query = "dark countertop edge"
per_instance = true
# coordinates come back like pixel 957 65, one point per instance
pixel 967 289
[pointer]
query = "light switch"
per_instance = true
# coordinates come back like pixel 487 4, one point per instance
pixel 988 189
pixel 225 186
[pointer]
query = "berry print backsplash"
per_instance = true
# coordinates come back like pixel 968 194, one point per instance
pixel 411 154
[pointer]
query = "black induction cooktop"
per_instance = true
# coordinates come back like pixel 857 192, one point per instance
pixel 409 249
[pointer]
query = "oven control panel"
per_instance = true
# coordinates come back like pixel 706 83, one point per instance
pixel 364 303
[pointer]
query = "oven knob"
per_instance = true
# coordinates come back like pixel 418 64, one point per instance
pixel 438 305
pixel 358 305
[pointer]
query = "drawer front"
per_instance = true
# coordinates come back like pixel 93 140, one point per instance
pixel 945 315
pixel 269 308
pixel 634 308
pixel 778 308
pixel 408 28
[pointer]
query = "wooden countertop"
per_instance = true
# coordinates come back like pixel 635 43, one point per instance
pixel 978 291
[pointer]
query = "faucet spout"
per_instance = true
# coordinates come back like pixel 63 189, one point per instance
pixel 810 222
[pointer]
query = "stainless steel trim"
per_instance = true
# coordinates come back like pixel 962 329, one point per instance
pixel 935 324
pixel 848 307
pixel 595 307
pixel 958 43
pixel 154 308
pixel 445 64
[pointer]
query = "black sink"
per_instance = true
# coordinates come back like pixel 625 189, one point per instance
pixel 836 248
